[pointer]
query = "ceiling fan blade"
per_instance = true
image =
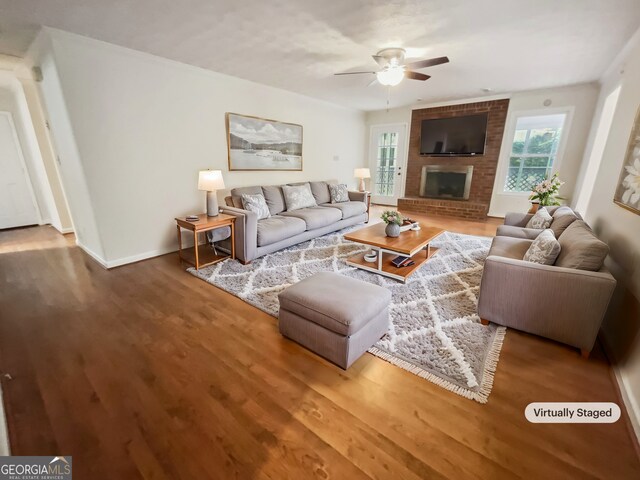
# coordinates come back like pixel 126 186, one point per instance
pixel 382 61
pixel 416 75
pixel 373 82
pixel 351 73
pixel 430 62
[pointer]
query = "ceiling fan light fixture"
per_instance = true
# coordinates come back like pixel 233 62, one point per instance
pixel 391 76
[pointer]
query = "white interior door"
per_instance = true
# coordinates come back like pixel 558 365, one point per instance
pixel 17 201
pixel 386 161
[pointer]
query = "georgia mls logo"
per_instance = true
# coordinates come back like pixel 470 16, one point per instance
pixel 62 460
pixel 35 468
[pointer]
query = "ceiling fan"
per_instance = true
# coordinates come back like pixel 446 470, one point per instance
pixel 394 69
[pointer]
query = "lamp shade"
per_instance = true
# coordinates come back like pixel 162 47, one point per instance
pixel 210 180
pixel 362 173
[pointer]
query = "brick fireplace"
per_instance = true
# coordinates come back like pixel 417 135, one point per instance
pixel 450 174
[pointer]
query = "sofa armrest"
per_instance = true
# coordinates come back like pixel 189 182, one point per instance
pixel 563 304
pixel 355 196
pixel 517 219
pixel 246 232
pixel 517 232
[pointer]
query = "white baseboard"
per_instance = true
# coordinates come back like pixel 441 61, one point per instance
pixel 5 448
pixel 629 400
pixel 63 231
pixel 92 254
pixel 138 257
pixel 126 260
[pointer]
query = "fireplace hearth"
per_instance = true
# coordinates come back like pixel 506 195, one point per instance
pixel 446 181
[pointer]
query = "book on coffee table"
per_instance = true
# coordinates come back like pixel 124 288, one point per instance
pixel 402 261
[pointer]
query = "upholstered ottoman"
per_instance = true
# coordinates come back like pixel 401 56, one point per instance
pixel 335 316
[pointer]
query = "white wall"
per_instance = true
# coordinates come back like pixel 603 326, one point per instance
pixel 579 101
pixel 138 128
pixel 620 228
pixel 62 222
pixel 12 99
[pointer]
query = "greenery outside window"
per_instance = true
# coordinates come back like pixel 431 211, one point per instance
pixel 533 151
pixel 386 163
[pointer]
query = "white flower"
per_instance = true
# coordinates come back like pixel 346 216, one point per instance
pixel 632 183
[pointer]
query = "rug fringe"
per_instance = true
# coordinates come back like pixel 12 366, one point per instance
pixel 488 374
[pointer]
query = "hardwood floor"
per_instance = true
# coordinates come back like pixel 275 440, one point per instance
pixel 144 371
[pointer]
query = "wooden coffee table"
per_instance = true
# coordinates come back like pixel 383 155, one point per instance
pixel 409 243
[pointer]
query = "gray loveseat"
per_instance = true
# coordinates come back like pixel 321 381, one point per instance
pixel 284 228
pixel 565 302
pixel 515 224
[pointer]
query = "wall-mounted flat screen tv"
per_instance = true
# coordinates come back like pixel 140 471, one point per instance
pixel 454 136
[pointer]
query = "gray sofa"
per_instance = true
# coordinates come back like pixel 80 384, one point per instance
pixel 565 302
pixel 255 238
pixel 515 224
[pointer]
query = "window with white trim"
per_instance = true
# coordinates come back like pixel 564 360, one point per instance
pixel 533 150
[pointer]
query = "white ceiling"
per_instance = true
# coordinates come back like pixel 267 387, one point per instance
pixel 297 45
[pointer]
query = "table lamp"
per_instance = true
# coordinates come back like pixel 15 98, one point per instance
pixel 362 173
pixel 210 181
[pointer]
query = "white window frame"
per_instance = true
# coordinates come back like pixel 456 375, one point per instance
pixel 507 144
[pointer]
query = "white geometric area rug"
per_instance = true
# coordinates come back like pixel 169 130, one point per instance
pixel 435 331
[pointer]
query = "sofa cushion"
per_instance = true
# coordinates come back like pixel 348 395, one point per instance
pixel 298 196
pixel 541 219
pixel 277 227
pixel 560 224
pixel 348 209
pixel 320 191
pixel 581 248
pixel 316 217
pixel 509 247
pixel 236 194
pixel 274 198
pixel 338 303
pixel 562 218
pixel 518 232
pixel 544 249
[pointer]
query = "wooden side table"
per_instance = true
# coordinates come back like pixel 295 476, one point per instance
pixel 202 255
pixel 368 205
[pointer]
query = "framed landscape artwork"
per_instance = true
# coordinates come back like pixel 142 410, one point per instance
pixel 260 144
pixel 628 191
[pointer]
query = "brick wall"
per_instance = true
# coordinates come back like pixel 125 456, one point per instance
pixel 484 166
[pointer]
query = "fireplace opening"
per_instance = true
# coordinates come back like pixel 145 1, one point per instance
pixel 444 181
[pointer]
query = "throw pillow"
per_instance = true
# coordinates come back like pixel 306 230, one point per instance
pixel 540 220
pixel 257 204
pixel 544 249
pixel 562 218
pixel 298 196
pixel 339 193
pixel 581 248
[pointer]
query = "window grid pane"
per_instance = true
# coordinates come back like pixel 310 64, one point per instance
pixel 385 171
pixel 533 151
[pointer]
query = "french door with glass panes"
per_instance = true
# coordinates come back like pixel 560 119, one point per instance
pixel 386 161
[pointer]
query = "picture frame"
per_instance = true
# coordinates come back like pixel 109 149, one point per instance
pixel 262 144
pixel 627 194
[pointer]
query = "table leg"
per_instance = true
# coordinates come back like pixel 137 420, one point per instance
pixel 233 241
pixel 380 259
pixel 428 249
pixel 195 248
pixel 179 243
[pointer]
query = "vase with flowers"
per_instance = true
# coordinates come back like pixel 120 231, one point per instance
pixel 393 220
pixel 545 193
